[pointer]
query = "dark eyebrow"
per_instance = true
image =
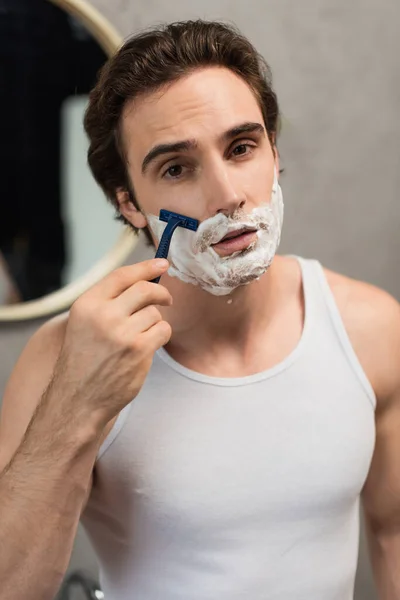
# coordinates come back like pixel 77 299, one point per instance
pixel 187 145
pixel 243 128
pixel 183 146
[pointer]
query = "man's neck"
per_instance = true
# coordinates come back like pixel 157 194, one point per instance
pixel 228 323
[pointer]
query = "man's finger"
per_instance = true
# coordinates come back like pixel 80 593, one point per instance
pixel 116 282
pixel 142 294
pixel 157 336
pixel 143 320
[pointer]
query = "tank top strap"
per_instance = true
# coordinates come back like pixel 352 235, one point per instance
pixel 314 308
pixel 323 316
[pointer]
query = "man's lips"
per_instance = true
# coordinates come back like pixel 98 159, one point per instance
pixel 235 241
pixel 236 233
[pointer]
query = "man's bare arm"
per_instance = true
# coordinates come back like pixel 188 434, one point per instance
pixel 54 457
pixel 372 320
pixel 43 492
pixel 381 494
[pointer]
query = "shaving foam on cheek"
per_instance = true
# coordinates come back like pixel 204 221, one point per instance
pixel 194 260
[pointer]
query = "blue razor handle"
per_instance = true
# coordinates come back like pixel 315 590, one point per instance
pixel 173 221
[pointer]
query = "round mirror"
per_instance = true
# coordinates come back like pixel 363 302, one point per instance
pixel 58 234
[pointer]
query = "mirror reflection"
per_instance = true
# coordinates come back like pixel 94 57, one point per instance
pixel 54 221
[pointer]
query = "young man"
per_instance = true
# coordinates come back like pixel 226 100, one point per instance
pixel 220 427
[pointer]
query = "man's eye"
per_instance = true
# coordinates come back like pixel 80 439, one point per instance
pixel 173 172
pixel 242 149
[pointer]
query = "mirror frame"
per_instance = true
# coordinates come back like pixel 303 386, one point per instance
pixel 110 40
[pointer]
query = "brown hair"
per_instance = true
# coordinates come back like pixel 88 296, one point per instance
pixel 154 58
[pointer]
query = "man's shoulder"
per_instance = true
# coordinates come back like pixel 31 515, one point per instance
pixel 371 317
pixel 364 303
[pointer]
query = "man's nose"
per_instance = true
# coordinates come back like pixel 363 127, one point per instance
pixel 222 192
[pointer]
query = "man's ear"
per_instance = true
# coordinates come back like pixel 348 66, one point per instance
pixel 128 209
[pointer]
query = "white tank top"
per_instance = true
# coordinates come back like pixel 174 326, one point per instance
pixel 240 488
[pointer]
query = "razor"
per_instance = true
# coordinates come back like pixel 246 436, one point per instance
pixel 173 221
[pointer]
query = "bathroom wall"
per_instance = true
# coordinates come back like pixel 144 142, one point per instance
pixel 335 67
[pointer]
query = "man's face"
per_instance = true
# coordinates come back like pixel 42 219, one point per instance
pixel 198 148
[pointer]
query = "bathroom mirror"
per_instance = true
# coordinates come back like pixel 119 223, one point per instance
pixel 58 235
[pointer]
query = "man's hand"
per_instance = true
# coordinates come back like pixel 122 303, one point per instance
pixel 112 333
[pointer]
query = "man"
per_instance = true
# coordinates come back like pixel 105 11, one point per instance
pixel 230 462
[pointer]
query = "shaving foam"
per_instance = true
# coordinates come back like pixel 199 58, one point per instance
pixel 194 260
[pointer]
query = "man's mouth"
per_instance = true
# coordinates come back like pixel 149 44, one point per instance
pixel 235 241
pixel 237 233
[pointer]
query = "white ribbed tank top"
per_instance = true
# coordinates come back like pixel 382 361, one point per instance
pixel 240 488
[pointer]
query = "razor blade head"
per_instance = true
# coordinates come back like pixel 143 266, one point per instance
pixel 186 222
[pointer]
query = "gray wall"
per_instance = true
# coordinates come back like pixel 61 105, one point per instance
pixel 336 72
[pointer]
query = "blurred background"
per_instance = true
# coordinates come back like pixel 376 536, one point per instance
pixel 335 66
